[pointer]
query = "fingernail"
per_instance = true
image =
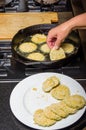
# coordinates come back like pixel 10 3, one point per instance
pixel 55 47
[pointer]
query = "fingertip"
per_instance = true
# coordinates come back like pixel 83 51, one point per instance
pixel 56 47
pixel 50 44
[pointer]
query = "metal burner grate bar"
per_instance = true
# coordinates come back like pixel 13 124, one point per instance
pixel 6 62
pixel 3 73
pixel 11 9
pixel 29 71
pixel 33 6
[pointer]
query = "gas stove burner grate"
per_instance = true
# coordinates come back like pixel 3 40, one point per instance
pixel 12 6
pixel 34 6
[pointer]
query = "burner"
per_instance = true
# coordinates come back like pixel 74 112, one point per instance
pixel 4 2
pixel 31 6
pixel 9 6
pixel 34 6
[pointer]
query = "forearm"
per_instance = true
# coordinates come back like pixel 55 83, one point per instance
pixel 77 22
pixel 57 35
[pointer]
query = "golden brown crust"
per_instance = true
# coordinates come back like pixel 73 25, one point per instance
pixel 50 114
pixel 56 108
pixel 38 38
pixel 42 120
pixel 62 106
pixel 57 54
pixel 60 92
pixel 75 101
pixel 50 83
pixel 68 48
pixel 37 56
pixel 27 47
pixel 44 48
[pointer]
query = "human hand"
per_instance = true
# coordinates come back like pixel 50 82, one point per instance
pixel 57 35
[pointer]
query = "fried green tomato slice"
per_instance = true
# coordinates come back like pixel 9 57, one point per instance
pixel 57 54
pixel 56 108
pixel 50 114
pixel 50 83
pixel 75 101
pixel 40 119
pixel 27 47
pixel 68 48
pixel 37 56
pixel 38 38
pixel 60 92
pixel 62 109
pixel 66 109
pixel 44 48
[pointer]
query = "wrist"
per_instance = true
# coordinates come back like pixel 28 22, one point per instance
pixel 71 24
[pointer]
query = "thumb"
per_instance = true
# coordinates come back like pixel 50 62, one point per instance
pixel 57 44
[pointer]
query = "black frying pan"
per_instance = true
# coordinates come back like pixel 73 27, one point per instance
pixel 22 34
pixel 4 2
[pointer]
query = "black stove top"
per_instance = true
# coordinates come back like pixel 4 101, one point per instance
pixel 12 6
pixel 11 72
pixel 31 6
pixel 59 6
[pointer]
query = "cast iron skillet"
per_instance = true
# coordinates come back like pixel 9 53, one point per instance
pixel 23 34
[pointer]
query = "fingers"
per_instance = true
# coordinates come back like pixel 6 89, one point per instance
pixel 58 43
pixel 54 38
pixel 54 43
pixel 51 42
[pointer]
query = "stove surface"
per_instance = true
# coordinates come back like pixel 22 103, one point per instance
pixel 12 72
pixel 31 6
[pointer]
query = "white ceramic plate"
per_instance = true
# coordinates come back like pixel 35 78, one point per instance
pixel 27 96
